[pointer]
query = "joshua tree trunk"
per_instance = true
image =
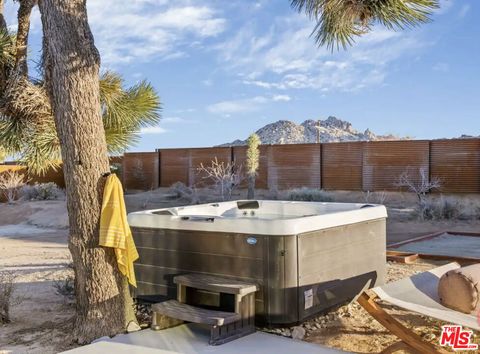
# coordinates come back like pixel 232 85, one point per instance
pixel 24 12
pixel 3 28
pixel 251 187
pixel 72 70
pixel 3 23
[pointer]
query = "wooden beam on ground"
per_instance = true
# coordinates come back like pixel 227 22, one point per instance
pixel 399 257
pixel 410 338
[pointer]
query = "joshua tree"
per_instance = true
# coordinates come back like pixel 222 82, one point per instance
pixel 71 72
pixel 338 22
pixel 27 126
pixel 253 158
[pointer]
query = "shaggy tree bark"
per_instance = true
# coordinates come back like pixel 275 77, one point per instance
pixel 3 23
pixel 24 12
pixel 72 62
pixel 3 28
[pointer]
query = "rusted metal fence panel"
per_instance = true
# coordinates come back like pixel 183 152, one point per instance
pixel 342 166
pixel 457 164
pixel 240 157
pixel 174 166
pixel 373 166
pixel 385 161
pixel 181 165
pixel 140 170
pixel 291 166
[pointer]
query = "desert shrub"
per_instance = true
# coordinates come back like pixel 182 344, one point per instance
pixel 375 197
pixel 10 184
pixel 184 193
pixel 65 287
pixel 8 297
pixel 42 191
pixel 440 209
pixel 225 176
pixel 308 195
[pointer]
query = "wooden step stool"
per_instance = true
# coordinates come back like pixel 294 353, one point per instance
pixel 224 326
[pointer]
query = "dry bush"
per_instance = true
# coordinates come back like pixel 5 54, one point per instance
pixel 421 185
pixel 66 287
pixel 10 183
pixel 225 176
pixel 184 193
pixel 440 209
pixel 8 297
pixel 305 194
pixel 376 197
pixel 42 191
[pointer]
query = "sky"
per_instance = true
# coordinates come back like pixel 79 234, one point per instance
pixel 224 69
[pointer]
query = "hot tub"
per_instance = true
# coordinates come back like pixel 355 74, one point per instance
pixel 306 256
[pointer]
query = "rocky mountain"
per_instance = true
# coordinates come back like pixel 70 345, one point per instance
pixel 331 129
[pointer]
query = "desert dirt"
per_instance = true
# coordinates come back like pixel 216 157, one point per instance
pixel 33 245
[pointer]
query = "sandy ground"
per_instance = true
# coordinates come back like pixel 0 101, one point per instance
pixel 33 244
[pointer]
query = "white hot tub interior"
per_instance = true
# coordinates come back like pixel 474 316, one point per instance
pixel 262 216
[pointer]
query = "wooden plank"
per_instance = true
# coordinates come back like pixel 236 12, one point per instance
pixel 216 284
pixel 400 257
pixel 184 312
pixel 412 339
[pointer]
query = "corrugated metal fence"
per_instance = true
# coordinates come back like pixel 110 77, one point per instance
pixel 368 166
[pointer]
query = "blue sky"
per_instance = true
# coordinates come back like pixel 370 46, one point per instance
pixel 223 69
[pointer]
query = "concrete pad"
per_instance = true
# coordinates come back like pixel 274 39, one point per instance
pixel 193 339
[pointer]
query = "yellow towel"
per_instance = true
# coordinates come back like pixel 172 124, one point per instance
pixel 114 229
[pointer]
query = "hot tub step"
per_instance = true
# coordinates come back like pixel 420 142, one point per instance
pixel 184 312
pixel 216 283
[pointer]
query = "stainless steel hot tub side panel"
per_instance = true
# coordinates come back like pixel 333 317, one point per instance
pixel 281 280
pixel 165 253
pixel 336 263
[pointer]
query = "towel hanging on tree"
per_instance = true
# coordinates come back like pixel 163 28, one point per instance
pixel 114 229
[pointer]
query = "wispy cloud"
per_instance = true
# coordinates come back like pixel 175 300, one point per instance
pixel 153 130
pixel 143 30
pixel 286 57
pixel 244 105
pixel 464 10
pixel 284 98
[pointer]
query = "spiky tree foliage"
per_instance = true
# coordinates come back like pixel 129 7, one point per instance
pixel 27 127
pixel 126 111
pixel 3 154
pixel 338 22
pixel 253 161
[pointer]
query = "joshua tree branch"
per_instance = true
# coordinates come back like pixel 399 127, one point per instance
pixel 23 16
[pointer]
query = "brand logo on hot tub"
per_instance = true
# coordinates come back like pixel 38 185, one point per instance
pixel 252 241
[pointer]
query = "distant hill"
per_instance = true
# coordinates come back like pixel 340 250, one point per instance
pixel 331 129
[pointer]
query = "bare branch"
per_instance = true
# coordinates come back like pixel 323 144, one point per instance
pixel 225 176
pixel 420 185
pixel 23 18
pixel 10 184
